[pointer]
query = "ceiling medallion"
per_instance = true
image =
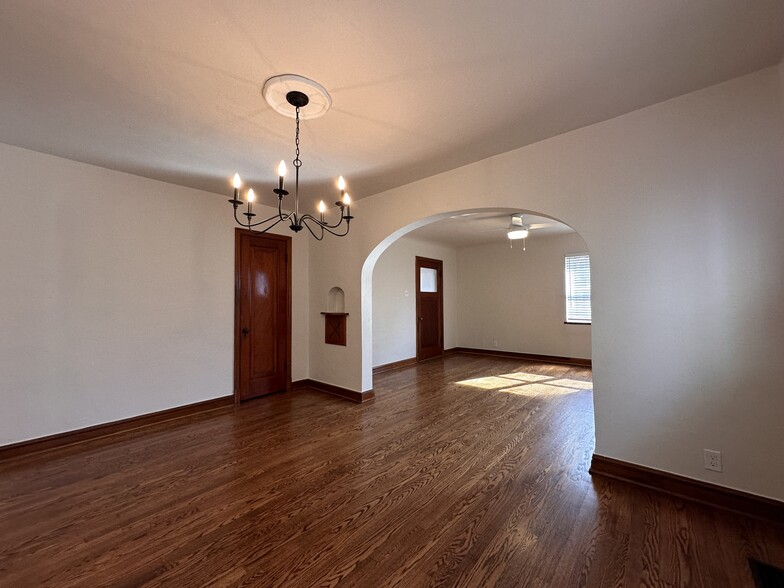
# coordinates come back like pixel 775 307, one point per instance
pixel 297 98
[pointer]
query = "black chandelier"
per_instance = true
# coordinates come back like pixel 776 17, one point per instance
pixel 316 226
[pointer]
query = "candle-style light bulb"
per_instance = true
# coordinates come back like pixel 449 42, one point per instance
pixel 341 184
pixel 237 181
pixel 322 207
pixel 281 173
pixel 251 196
pixel 347 207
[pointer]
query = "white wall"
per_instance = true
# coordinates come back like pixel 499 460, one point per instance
pixel 682 207
pixel 494 298
pixel 116 296
pixel 513 300
pixel 394 298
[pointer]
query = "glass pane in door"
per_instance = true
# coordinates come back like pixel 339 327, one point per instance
pixel 428 279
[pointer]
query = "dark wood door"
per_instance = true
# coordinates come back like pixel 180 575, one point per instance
pixel 263 315
pixel 429 307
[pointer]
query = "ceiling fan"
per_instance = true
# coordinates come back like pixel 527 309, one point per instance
pixel 519 229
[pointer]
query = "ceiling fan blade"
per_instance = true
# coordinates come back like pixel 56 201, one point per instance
pixel 483 218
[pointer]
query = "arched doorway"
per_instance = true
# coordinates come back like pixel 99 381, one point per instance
pixel 491 324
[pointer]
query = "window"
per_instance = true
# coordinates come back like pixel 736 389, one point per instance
pixel 428 279
pixel 578 289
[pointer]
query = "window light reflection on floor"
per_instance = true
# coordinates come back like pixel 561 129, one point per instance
pixel 568 383
pixel 526 384
pixel 526 377
pixel 538 390
pixel 490 382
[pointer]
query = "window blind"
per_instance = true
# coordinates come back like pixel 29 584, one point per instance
pixel 578 289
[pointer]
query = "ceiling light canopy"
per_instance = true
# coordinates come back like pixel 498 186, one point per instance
pixel 289 95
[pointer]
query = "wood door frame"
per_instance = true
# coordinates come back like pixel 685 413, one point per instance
pixel 238 234
pixel 440 287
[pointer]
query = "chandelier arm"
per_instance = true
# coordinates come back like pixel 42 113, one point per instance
pixel 317 221
pixel 280 220
pixel 337 224
pixel 283 216
pixel 238 221
pixel 330 231
pixel 304 223
pixel 324 224
pixel 261 222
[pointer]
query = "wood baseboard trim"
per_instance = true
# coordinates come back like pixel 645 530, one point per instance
pixel 527 356
pixel 298 385
pixel 688 488
pixel 411 361
pixel 380 369
pixel 353 396
pixel 31 446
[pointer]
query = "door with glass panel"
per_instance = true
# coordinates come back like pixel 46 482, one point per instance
pixel 429 308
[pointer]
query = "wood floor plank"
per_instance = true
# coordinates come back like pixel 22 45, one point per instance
pixel 465 471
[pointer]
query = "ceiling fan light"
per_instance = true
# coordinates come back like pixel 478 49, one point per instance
pixel 517 233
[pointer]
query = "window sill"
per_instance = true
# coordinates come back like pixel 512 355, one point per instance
pixel 572 323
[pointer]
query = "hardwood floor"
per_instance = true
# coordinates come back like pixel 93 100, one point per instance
pixel 460 473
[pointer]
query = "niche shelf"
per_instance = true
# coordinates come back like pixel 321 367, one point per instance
pixel 335 318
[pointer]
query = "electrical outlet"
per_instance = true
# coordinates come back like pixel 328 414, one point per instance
pixel 712 460
pixel 495 343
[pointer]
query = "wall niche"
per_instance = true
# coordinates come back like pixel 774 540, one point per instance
pixel 335 317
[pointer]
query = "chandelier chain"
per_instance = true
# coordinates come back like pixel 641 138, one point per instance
pixel 297 161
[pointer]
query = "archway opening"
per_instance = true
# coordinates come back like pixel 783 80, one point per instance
pixel 503 295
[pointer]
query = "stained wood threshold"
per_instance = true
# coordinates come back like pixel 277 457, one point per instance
pixel 579 361
pixel 695 490
pixel 352 395
pixel 57 440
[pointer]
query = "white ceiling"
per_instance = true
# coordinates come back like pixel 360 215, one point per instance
pixel 170 89
pixel 477 228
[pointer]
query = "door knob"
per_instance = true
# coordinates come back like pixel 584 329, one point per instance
pixel 245 331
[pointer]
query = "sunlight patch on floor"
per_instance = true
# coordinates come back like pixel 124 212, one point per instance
pixel 489 382
pixel 526 384
pixel 539 390
pixel 526 377
pixel 569 383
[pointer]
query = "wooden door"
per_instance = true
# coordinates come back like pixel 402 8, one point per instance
pixel 429 307
pixel 262 325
